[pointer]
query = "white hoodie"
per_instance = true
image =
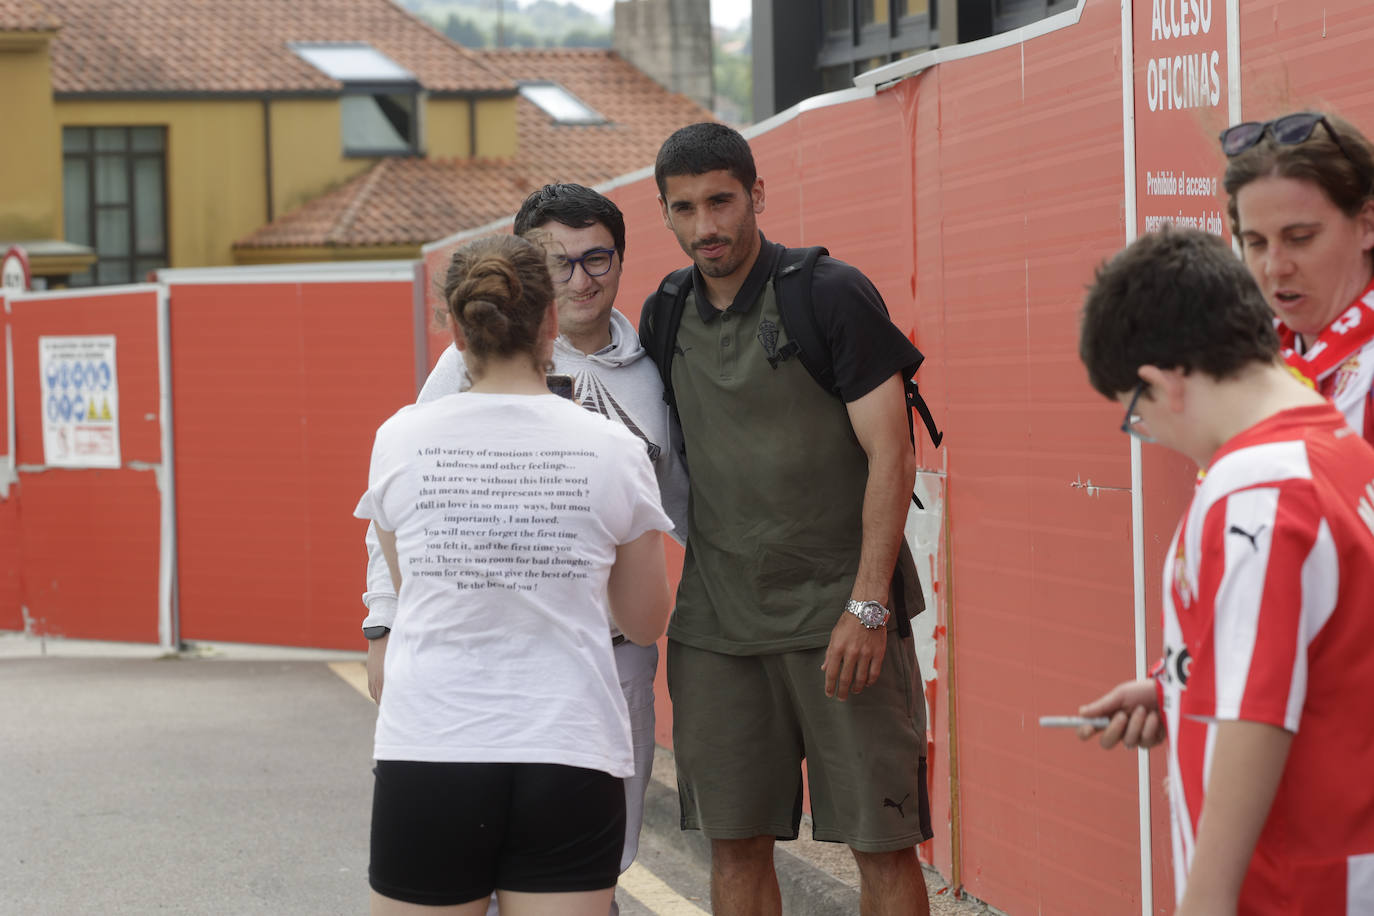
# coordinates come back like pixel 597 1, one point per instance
pixel 619 383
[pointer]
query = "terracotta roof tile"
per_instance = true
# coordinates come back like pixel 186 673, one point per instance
pixel 640 111
pixel 240 46
pixel 413 201
pixel 26 16
pixel 399 202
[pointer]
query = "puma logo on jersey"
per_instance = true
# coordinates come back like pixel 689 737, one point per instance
pixel 1236 529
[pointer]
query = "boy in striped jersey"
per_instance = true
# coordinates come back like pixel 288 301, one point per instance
pixel 1266 689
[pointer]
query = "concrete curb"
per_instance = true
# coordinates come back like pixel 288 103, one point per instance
pixel 806 889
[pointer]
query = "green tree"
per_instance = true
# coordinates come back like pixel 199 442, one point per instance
pixel 734 78
pixel 584 38
pixel 514 36
pixel 465 32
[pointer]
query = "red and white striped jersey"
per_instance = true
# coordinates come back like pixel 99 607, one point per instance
pixel 1269 617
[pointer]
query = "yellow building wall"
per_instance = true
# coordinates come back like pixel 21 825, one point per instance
pixel 446 127
pixel 216 175
pixel 448 123
pixel 496 131
pixel 307 152
pixel 30 150
pixel 216 157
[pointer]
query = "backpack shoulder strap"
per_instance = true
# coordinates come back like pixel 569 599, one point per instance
pixel 915 402
pixel 659 322
pixel 792 285
pixel 806 341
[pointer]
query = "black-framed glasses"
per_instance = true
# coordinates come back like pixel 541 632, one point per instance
pixel 1289 130
pixel 595 263
pixel 1133 425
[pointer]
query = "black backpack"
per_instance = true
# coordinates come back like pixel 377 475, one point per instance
pixel 792 286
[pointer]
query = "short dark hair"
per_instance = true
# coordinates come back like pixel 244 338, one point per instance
pixel 1318 159
pixel 574 206
pixel 705 147
pixel 1176 299
pixel 498 290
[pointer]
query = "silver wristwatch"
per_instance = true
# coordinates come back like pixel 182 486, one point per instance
pixel 870 613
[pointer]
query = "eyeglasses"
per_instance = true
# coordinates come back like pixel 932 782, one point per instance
pixel 595 263
pixel 1133 425
pixel 1289 130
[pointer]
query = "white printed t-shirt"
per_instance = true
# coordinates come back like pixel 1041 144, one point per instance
pixel 1269 617
pixel 507 511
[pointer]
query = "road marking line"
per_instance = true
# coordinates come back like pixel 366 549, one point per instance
pixel 649 890
pixel 354 675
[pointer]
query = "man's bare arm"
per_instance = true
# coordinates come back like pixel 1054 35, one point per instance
pixel 854 658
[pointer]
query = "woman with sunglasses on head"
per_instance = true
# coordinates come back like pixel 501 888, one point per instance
pixel 516 526
pixel 1301 203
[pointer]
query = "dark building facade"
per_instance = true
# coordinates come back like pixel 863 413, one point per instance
pixel 805 47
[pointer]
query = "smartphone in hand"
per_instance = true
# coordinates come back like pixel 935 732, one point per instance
pixel 561 385
pixel 1098 722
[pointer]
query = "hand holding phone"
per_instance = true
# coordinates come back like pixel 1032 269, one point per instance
pixel 1131 711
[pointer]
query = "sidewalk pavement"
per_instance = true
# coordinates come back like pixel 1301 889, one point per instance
pixel 233 779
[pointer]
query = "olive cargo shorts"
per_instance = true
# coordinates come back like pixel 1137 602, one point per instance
pixel 742 724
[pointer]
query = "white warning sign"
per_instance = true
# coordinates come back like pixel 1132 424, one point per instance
pixel 80 401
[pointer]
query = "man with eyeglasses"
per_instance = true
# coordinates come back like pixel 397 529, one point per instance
pixel 600 349
pixel 1266 689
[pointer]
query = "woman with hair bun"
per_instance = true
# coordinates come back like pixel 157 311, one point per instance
pixel 1301 206
pixel 517 527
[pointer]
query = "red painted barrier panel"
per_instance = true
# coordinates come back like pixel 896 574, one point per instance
pixel 11 615
pixel 1019 177
pixel 278 389
pixel 89 538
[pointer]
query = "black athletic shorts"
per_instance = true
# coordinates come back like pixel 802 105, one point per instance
pixel 450 833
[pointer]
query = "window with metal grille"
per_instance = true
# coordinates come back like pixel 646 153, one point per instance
pixel 114 199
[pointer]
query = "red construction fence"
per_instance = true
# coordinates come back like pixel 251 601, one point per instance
pixel 978 193
pixel 262 389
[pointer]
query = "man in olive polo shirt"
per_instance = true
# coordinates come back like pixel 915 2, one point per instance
pixel 781 646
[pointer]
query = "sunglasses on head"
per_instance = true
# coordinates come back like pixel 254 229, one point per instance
pixel 1289 130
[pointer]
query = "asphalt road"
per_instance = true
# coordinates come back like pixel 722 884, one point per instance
pixel 182 786
pixel 241 783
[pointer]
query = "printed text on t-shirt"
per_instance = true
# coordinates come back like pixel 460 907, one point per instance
pixel 506 516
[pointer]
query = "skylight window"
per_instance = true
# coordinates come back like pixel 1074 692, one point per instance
pixel 379 109
pixel 560 104
pixel 352 62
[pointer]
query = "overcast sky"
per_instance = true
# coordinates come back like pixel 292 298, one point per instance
pixel 726 13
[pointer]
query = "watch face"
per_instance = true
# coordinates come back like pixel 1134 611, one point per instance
pixel 870 613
